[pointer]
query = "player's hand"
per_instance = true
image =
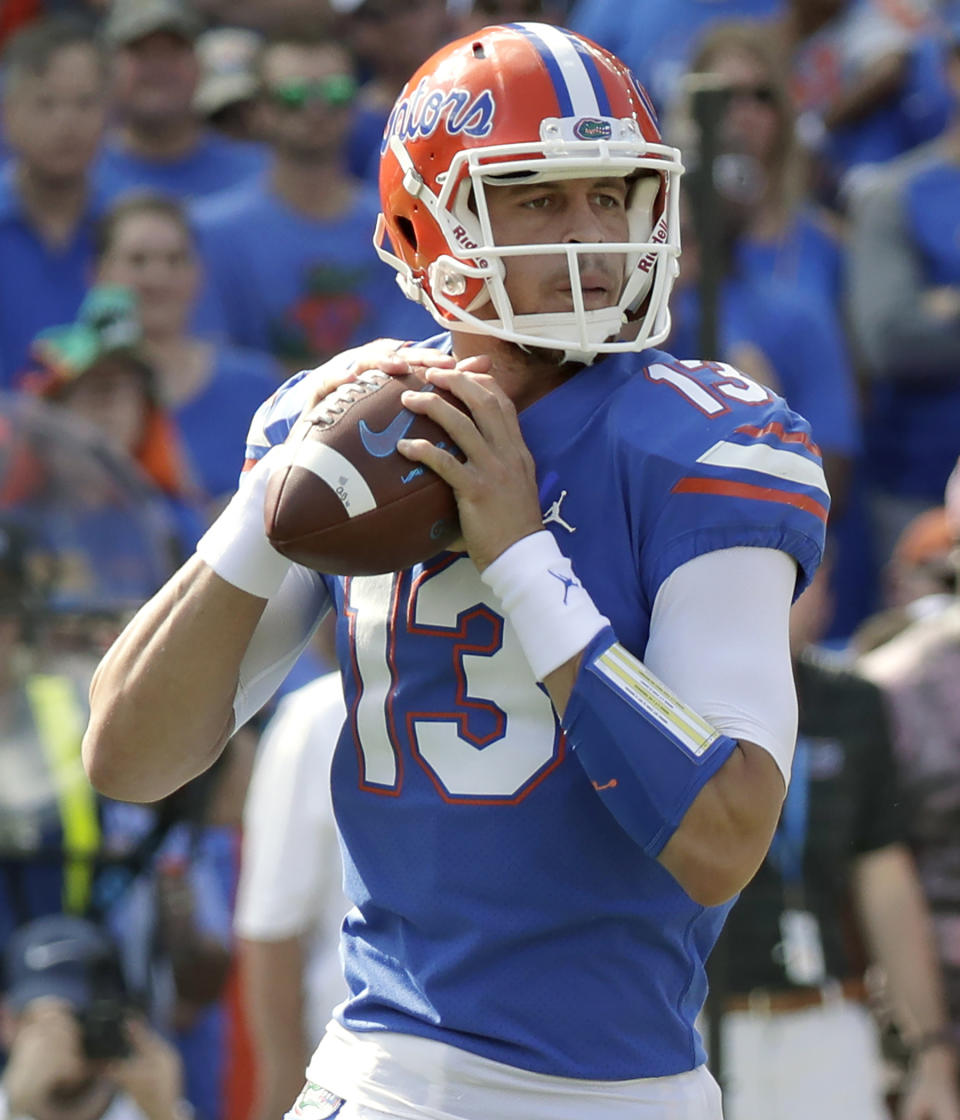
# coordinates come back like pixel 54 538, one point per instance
pixel 47 1055
pixel 387 355
pixel 152 1074
pixel 496 487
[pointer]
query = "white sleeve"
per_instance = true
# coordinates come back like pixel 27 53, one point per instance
pixel 719 637
pixel 285 627
pixel 290 868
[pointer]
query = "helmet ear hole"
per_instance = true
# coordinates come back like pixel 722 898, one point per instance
pixel 409 234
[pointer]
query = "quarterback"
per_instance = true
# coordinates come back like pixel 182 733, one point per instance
pixel 568 738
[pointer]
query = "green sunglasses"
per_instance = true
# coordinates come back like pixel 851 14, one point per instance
pixel 340 89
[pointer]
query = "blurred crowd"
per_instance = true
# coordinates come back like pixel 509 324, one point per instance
pixel 188 194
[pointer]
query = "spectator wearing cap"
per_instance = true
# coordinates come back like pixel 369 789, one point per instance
pixel 96 369
pixel 76 1048
pixel 289 258
pixel 161 141
pixel 54 110
pixel 226 97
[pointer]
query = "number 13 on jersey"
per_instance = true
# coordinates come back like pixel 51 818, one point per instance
pixel 485 732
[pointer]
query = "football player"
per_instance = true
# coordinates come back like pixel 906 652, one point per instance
pixel 568 741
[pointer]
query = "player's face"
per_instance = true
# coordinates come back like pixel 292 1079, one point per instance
pixel 565 212
pixel 152 254
pixel 55 119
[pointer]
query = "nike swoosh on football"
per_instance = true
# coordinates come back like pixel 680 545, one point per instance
pixel 383 443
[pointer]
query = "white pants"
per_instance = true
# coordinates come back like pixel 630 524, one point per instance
pixel 823 1062
pixel 382 1075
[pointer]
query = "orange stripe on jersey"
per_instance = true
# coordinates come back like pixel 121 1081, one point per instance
pixel 248 465
pixel 747 490
pixel 778 430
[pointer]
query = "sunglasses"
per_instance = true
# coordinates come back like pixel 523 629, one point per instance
pixel 762 93
pixel 335 91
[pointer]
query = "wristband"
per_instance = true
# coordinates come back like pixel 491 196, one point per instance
pixel 547 605
pixel 236 544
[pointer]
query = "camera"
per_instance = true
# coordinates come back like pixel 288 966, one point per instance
pixel 103 1029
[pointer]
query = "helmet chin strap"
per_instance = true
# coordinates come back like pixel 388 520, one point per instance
pixel 560 327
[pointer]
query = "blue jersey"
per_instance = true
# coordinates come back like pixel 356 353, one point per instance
pixel 498 906
pixel 799 338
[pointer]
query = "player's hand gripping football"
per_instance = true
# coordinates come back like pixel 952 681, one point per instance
pixel 495 487
pixel 388 355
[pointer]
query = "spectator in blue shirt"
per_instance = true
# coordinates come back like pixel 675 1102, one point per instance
pixel 161 141
pixel 290 259
pixel 786 236
pixel 54 111
pixel 867 78
pixel 210 388
pixel 905 311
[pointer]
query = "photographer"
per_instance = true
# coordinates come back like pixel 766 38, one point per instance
pixel 77 1049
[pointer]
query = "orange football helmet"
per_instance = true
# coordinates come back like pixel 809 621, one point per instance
pixel 530 102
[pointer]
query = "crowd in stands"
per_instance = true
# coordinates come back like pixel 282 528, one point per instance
pixel 188 198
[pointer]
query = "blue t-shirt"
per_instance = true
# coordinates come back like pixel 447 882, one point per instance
pixel 915 421
pixel 498 905
pixel 217 163
pixel 213 423
pixel 807 257
pixel 297 288
pixel 41 285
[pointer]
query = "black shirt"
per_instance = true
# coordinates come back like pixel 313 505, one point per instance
pixel 853 809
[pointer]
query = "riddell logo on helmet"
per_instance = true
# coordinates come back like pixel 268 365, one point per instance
pixel 658 237
pixel 589 128
pixel 422 114
pixel 463 239
pixel 466 243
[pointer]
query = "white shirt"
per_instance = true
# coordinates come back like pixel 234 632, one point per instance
pixel 291 872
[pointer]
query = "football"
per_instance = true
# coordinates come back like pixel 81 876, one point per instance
pixel 347 502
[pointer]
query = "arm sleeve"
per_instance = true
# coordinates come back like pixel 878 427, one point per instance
pixel 287 624
pixel 719 637
pixel 891 329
